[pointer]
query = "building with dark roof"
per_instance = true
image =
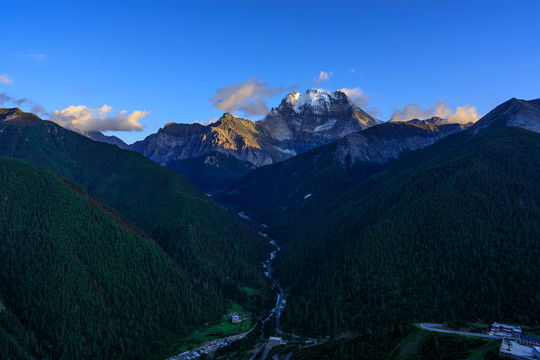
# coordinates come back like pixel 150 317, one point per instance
pixel 506 330
pixel 529 340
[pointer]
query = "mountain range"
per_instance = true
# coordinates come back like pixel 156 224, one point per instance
pixel 108 254
pixel 323 171
pixel 425 236
pixel 300 123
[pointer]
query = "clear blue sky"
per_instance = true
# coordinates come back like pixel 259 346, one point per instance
pixel 170 57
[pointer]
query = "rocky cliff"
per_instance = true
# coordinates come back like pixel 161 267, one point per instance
pixel 300 123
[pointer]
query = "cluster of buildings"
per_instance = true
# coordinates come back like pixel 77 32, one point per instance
pixel 515 345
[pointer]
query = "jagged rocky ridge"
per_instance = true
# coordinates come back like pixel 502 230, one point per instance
pixel 300 123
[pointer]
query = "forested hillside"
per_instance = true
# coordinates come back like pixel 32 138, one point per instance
pixel 77 280
pixel 448 232
pixel 217 254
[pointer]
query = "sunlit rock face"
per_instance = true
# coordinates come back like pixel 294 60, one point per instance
pixel 300 123
pixel 230 135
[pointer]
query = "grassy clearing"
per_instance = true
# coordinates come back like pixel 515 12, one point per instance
pixel 410 345
pixel 211 332
pixel 482 352
pixel 250 291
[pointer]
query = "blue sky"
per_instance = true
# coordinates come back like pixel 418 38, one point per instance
pixel 169 58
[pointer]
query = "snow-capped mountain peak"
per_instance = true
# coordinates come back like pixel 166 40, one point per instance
pixel 315 98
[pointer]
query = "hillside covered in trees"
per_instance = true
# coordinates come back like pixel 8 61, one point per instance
pixel 448 232
pixel 76 279
pixel 216 254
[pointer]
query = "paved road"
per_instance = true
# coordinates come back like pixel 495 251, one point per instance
pixel 433 327
pixel 265 353
pixel 259 349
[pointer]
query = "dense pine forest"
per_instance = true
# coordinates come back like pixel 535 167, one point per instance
pixel 448 232
pixel 77 280
pixel 214 255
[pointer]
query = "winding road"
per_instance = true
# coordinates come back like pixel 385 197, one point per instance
pixel 436 327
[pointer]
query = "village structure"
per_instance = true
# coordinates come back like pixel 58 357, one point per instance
pixel 275 340
pixel 515 345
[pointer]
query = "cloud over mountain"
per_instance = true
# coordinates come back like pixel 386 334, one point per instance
pixel 462 115
pixel 357 96
pixel 85 119
pixel 248 97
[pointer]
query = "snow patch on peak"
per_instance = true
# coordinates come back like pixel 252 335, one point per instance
pixel 326 126
pixel 316 98
pixel 292 97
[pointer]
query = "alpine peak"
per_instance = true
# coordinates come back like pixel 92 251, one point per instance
pixel 314 98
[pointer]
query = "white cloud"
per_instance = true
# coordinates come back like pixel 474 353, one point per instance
pixel 356 96
pixel 36 57
pixel 323 76
pixel 85 119
pixel 211 121
pixel 5 79
pixel 462 115
pixel 353 70
pixel 248 97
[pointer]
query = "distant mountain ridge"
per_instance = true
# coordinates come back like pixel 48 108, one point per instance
pixel 300 123
pixel 109 139
pixel 322 172
pixel 267 192
pixel 514 112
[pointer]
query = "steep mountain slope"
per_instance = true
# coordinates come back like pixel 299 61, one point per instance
pixel 76 279
pixel 212 172
pixel 447 232
pixel 99 136
pixel 217 252
pixel 16 114
pixel 327 170
pixel 305 121
pixel 514 112
pixel 300 123
pixel 231 135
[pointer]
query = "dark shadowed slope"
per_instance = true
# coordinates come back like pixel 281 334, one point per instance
pixel 302 181
pixel 76 279
pixel 447 232
pixel 212 172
